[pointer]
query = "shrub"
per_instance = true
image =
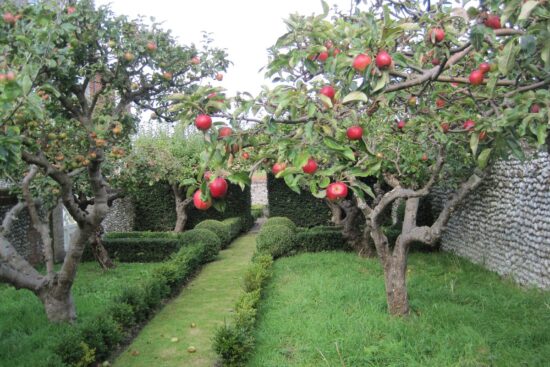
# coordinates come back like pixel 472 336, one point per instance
pixel 233 344
pixel 246 309
pixel 283 221
pixel 206 237
pixel 276 240
pixel 320 239
pixel 220 229
pixel 235 226
pixel 256 275
pixel 138 249
pixel 140 234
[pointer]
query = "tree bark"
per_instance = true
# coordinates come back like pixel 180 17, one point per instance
pixel 181 208
pixel 59 305
pixel 100 253
pixel 395 273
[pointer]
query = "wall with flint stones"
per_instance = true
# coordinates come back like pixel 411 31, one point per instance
pixel 505 224
pixel 121 216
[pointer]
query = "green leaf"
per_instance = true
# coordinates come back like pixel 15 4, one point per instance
pixel 326 101
pixel 542 133
pixel 239 178
pixel 355 96
pixel 483 158
pixel 321 194
pixel 188 181
pixel 333 144
pixel 527 8
pixel 507 60
pixel 301 159
pixel 476 36
pixel 26 84
pixel 325 7
pixel 325 181
pixel 409 26
pixel 474 141
pixel 364 187
pixel 380 83
pixel 220 205
pixel 292 183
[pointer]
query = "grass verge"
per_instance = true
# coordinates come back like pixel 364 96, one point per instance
pixel 329 309
pixel 26 336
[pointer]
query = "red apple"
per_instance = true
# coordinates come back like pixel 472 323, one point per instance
pixel 195 60
pixel 435 62
pixel 484 67
pixel 445 127
pixel 199 203
pixel 219 77
pixel 9 18
pixel 337 190
pixel 424 157
pixel 2 78
pixel 278 167
pixel 354 132
pixel 212 95
pixel 401 125
pixel 493 21
pixel 323 56
pixel 203 122
pixel 10 76
pixel 310 167
pixel 468 125
pixel 440 103
pixel 436 35
pixel 476 77
pixel 245 155
pixel 218 187
pixel 336 51
pixel 329 44
pixel 225 132
pixel 167 75
pixel 207 175
pixel 383 60
pixel 535 108
pixel 71 10
pixel 151 46
pixel 361 62
pixel 328 91
pixel 482 135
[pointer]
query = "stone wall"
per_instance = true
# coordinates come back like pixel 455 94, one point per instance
pixel 22 236
pixel 259 191
pixel 505 224
pixel 121 216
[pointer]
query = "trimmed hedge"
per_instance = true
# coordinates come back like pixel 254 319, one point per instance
pixel 321 239
pixel 220 229
pixel 155 208
pixel 94 340
pixel 235 226
pixel 234 342
pixel 304 209
pixel 138 249
pixel 283 221
pixel 277 240
pixel 142 234
pixel 205 237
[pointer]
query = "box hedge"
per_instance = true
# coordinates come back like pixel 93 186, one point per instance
pixel 138 249
pixel 205 237
pixel 220 229
pixel 277 240
pixel 83 344
pixel 303 209
pixel 321 239
pixel 283 221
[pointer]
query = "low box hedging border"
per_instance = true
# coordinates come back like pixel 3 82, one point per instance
pixel 221 229
pixel 138 249
pixel 234 342
pixel 94 340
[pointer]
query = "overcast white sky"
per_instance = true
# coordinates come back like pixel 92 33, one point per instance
pixel 246 28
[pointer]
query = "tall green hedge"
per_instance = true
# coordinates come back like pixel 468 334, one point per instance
pixel 305 210
pixel 155 208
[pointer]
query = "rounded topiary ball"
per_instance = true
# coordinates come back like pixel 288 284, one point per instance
pixel 277 240
pixel 205 237
pixel 280 221
pixel 220 229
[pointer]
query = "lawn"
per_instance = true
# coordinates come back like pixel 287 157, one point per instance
pixel 328 309
pixel 26 336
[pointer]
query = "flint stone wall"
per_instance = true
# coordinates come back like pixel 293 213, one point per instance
pixel 121 216
pixel 505 224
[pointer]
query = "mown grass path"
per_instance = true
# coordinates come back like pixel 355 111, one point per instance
pixel 206 301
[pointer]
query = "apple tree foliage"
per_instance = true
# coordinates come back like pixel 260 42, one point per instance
pixel 427 118
pixel 73 83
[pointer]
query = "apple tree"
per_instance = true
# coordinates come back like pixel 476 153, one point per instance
pixel 395 99
pixel 73 83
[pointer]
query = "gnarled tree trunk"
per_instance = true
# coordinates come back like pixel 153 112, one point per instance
pixel 100 252
pixel 181 208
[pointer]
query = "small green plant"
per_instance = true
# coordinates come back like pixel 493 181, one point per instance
pixel 275 221
pixel 277 240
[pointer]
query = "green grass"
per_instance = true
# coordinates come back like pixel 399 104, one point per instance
pixel 329 309
pixel 207 301
pixel 26 336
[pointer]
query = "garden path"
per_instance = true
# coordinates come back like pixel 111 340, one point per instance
pixel 205 303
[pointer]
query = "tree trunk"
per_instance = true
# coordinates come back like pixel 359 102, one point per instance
pixel 100 253
pixel 181 208
pixel 395 273
pixel 58 304
pixel 359 241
